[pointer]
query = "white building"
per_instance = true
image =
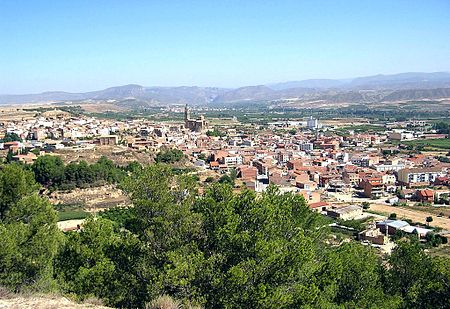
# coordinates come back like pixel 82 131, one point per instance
pixel 313 123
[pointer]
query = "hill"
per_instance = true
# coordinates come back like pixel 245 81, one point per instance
pixel 369 89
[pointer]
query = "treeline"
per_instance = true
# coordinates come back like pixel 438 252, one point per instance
pixel 217 250
pixel 442 128
pixel 50 171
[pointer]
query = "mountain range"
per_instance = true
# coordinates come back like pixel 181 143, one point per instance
pixel 377 88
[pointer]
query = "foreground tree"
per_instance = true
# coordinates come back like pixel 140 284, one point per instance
pixel 29 239
pixel 15 183
pixel 104 262
pixel 420 280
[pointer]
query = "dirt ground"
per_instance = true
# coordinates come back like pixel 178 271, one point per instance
pixel 44 302
pixel 412 214
pixel 91 198
pixel 120 155
pixel 68 225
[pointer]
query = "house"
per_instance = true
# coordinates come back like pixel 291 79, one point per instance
pixel 28 158
pixel 214 165
pixel 373 235
pixel 346 212
pixel 247 172
pixel 425 196
pixel 319 206
pixel 373 187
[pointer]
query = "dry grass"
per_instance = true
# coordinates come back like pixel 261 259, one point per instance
pixel 164 302
pixel 167 302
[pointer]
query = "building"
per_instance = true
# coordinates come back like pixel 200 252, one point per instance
pixel 345 213
pixel 401 136
pixel 418 176
pixel 373 187
pixel 28 158
pixel 313 123
pixel 392 226
pixel 425 196
pixel 108 140
pixel 375 236
pixel 306 146
pixel 195 125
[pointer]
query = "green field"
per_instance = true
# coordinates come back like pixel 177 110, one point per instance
pixel 71 212
pixel 364 128
pixel 72 215
pixel 439 143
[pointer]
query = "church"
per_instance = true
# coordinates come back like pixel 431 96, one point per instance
pixel 195 125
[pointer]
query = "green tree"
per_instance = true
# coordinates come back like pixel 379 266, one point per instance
pixel 29 239
pixel 393 216
pixel 103 261
pixel 365 205
pixel 11 137
pixel 420 280
pixel 429 220
pixel 169 156
pixel 353 282
pixel 49 170
pixel 15 183
pixel 163 204
pixel 264 249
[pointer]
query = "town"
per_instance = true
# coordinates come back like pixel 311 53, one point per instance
pixel 376 181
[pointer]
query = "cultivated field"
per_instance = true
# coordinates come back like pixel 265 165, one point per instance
pixel 413 214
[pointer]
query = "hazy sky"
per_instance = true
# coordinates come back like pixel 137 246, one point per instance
pixel 81 45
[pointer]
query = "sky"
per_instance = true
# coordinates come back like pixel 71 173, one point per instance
pixel 86 45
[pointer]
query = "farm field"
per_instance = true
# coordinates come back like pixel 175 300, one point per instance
pixel 440 143
pixel 412 214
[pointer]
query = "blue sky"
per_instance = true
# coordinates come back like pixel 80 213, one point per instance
pixel 87 45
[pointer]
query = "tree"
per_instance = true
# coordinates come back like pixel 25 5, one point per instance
pixel 215 132
pixel 29 239
pixel 357 280
pixel 429 220
pixel 169 156
pixel 420 280
pixel 365 205
pixel 11 137
pixel 393 216
pixel 265 248
pixel 15 183
pixel 163 204
pixel 103 261
pixel 48 170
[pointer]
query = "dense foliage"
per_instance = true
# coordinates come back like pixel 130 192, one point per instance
pixel 219 250
pixel 50 171
pixel 169 156
pixel 11 137
pixel 215 133
pixel 29 237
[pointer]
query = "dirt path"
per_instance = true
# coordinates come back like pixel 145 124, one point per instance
pixel 414 215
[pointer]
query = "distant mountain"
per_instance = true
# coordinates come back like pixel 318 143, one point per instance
pixel 309 83
pixel 377 88
pixel 403 81
pixel 162 95
pixel 250 93
pixel 417 94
